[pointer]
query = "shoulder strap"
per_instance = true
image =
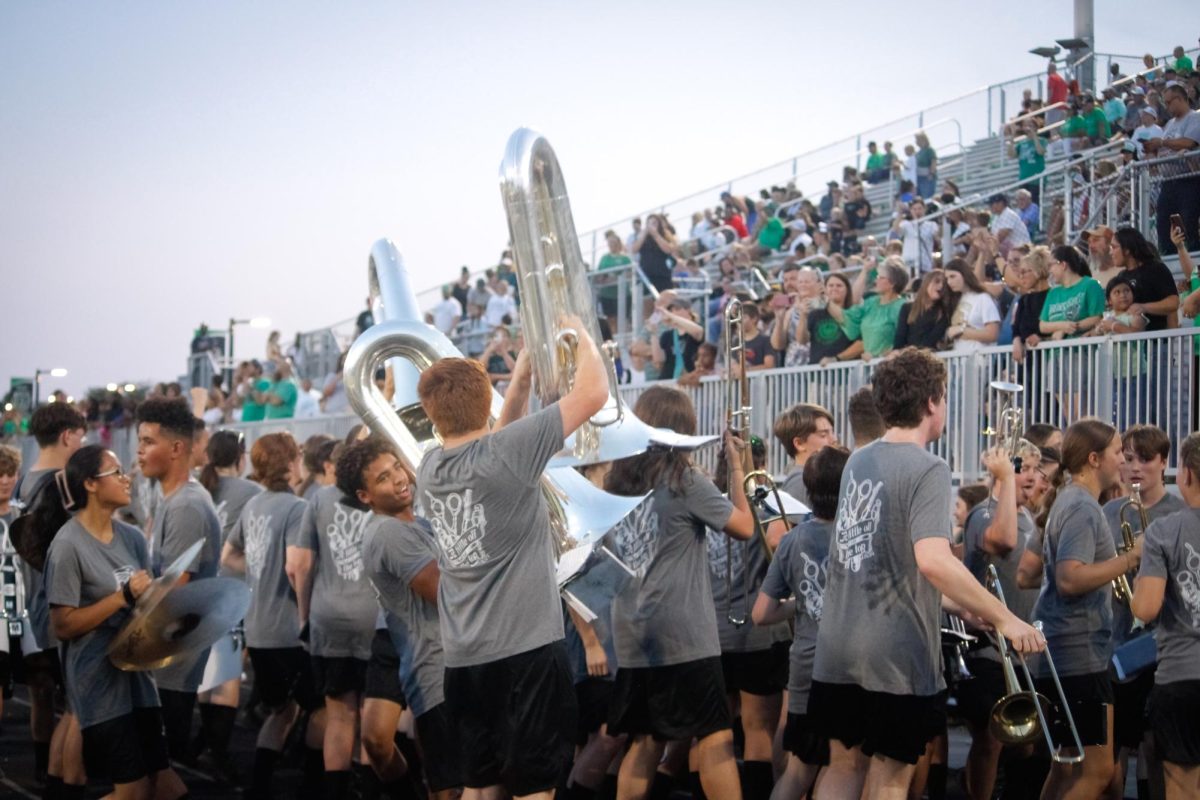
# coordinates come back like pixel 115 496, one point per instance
pixel 23 506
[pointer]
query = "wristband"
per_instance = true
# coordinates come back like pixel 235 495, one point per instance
pixel 127 593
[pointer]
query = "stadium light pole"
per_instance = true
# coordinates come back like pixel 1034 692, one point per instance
pixel 57 372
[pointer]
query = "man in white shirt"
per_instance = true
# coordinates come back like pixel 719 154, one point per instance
pixel 1147 130
pixel 499 305
pixel 917 236
pixel 1007 226
pixel 308 401
pixel 447 313
pixel 1180 192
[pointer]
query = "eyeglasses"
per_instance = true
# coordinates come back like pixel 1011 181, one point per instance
pixel 115 471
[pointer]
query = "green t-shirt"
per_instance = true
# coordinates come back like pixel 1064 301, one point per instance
pixel 1183 65
pixel 1029 160
pixel 1096 123
pixel 1073 127
pixel 772 234
pixel 1073 303
pixel 287 391
pixel 252 411
pixel 611 261
pixel 874 323
pixel 877 161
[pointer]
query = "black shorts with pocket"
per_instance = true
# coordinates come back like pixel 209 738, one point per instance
pixel 896 726
pixel 1129 709
pixel 974 698
pixel 594 696
pixel 1089 697
pixel 671 703
pixel 515 719
pixel 382 679
pixel 761 672
pixel 335 675
pixel 441 753
pixel 282 674
pixel 801 739
pixel 126 749
pixel 1174 711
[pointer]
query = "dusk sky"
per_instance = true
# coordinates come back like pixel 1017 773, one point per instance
pixel 164 164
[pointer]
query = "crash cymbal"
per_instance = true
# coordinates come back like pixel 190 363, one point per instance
pixel 185 619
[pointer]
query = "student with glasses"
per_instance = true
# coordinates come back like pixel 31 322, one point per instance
pixel 96 569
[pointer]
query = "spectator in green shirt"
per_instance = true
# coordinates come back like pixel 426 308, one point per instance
pixel 1183 64
pixel 280 399
pixel 615 258
pixel 252 391
pixel 1029 148
pixel 879 165
pixel 1094 121
pixel 1076 303
pixel 874 321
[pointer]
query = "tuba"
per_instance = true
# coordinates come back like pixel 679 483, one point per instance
pixel 552 280
pixel 1122 584
pixel 580 514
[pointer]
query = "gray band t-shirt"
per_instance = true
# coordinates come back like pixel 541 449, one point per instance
pixel 184 518
pixel 229 500
pixel 1020 601
pixel 1171 551
pixel 395 553
pixel 268 524
pixel 1122 622
pixel 876 600
pixel 1078 628
pixel 342 612
pixel 484 500
pixel 799 570
pixel 35 589
pixel 793 484
pixel 664 615
pixel 742 564
pixel 82 571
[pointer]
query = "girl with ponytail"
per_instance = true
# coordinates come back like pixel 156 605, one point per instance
pixel 95 571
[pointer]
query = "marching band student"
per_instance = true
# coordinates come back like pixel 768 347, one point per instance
pixel 793 588
pixel 802 430
pixel 400 559
pixel 58 430
pixel 1168 589
pixel 1146 451
pixel 221 476
pixel 336 599
pixel 95 571
pixel 865 423
pixel 1075 603
pixel 268 527
pixel 507 682
pixel 754 659
pixel 166 431
pixel 997 532
pixel 878 691
pixel 669 684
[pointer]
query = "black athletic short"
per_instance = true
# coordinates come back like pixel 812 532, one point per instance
pixel 515 719
pixel 1174 711
pixel 40 667
pixel 6 675
pixel 382 679
pixel 336 675
pixel 1089 697
pixel 976 696
pixel 594 696
pixel 1129 709
pixel 126 749
pixel 441 754
pixel 282 674
pixel 676 702
pixel 761 672
pixel 802 740
pixel 896 726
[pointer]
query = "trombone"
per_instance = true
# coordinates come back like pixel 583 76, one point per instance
pixel 757 484
pixel 1122 583
pixel 1020 716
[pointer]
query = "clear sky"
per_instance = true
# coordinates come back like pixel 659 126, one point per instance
pixel 163 164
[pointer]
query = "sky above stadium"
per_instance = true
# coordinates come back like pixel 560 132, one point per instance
pixel 165 164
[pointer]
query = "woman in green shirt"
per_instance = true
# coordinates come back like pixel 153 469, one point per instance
pixel 1075 304
pixel 875 320
pixel 608 286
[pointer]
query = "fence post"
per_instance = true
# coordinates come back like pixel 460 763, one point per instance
pixel 1104 373
pixel 989 101
pixel 969 468
pixel 1003 111
pixel 1068 206
pixel 794 167
pixel 623 308
pixel 858 152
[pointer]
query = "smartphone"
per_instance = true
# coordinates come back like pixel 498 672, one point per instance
pixel 1177 221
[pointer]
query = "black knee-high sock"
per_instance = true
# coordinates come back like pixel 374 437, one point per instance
pixel 313 770
pixel 264 770
pixel 608 789
pixel 52 790
pixel 220 729
pixel 70 791
pixel 577 792
pixel 401 789
pixel 337 783
pixel 200 743
pixel 661 788
pixel 935 786
pixel 41 757
pixel 369 785
pixel 696 786
pixel 758 778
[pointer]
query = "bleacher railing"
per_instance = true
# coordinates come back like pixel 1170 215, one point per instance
pixel 1124 380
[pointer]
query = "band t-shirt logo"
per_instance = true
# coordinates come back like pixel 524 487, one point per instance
pixel 121 575
pixel 345 541
pixel 725 568
pixel 857 521
pixel 460 526
pixel 636 537
pixel 255 527
pixel 1189 584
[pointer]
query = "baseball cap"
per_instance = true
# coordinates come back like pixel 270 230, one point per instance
pixel 1137 90
pixel 1148 111
pixel 998 197
pixel 1100 230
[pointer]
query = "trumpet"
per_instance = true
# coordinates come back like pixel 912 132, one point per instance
pixel 1011 420
pixel 1122 584
pixel 758 485
pixel 1020 716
